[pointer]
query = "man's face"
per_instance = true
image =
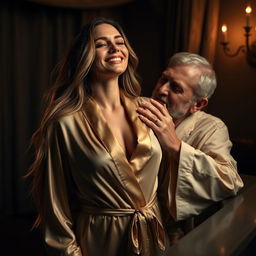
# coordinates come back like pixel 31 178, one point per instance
pixel 175 89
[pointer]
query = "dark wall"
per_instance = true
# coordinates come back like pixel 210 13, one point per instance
pixel 235 98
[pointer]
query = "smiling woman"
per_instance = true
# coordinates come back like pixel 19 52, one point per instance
pixel 96 165
pixel 111 54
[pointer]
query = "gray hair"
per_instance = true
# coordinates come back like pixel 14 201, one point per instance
pixel 207 83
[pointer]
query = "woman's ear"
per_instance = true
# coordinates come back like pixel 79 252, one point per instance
pixel 198 105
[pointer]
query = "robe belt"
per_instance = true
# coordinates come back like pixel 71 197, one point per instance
pixel 140 218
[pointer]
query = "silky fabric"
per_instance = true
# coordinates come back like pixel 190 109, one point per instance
pixel 98 202
pixel 206 171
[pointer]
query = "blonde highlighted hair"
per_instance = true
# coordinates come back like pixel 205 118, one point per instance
pixel 70 90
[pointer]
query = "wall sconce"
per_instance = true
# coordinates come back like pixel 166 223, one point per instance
pixel 249 50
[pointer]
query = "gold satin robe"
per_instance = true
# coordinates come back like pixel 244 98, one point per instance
pixel 96 201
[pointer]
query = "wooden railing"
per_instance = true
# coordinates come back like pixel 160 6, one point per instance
pixel 227 232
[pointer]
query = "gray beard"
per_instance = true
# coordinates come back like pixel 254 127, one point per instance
pixel 176 115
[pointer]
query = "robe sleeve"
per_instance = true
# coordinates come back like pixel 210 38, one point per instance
pixel 58 224
pixel 204 175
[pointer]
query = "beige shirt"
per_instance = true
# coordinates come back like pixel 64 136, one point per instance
pixel 98 202
pixel 206 171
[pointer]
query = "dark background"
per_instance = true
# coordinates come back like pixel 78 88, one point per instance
pixel 34 37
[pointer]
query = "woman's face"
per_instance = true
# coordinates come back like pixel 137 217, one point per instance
pixel 111 54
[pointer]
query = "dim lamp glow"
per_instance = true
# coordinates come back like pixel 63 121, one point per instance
pixel 248 49
pixel 248 9
pixel 224 28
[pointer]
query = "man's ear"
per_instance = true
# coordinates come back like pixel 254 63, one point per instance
pixel 198 105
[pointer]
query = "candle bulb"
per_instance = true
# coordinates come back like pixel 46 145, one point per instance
pixel 248 11
pixel 224 29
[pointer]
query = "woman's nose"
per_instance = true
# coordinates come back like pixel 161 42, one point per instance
pixel 113 48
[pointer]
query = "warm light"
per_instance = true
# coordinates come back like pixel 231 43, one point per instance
pixel 248 9
pixel 248 48
pixel 222 250
pixel 224 28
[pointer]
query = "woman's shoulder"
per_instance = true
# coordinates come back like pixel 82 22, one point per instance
pixel 142 98
pixel 68 120
pixel 134 100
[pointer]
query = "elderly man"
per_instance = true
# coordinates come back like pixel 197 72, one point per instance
pixel 197 167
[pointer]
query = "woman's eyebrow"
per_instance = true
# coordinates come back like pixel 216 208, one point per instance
pixel 105 38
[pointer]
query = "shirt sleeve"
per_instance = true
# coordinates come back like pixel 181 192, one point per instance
pixel 206 174
pixel 58 224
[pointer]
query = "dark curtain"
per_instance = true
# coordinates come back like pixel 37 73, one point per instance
pixel 192 26
pixel 177 17
pixel 32 40
pixel 82 3
pixel 203 28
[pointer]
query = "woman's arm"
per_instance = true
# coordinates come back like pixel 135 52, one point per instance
pixel 57 223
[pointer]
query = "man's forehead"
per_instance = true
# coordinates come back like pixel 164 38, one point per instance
pixel 185 70
pixel 167 71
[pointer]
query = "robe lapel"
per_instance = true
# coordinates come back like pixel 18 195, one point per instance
pixel 142 153
pixel 127 170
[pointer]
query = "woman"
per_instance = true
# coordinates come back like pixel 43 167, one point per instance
pixel 95 171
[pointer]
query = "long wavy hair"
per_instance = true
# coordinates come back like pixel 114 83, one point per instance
pixel 70 90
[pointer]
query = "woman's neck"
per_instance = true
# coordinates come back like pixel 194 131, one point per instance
pixel 106 94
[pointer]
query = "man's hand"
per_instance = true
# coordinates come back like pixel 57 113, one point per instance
pixel 156 116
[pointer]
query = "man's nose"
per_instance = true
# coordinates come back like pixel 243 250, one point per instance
pixel 159 91
pixel 164 89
